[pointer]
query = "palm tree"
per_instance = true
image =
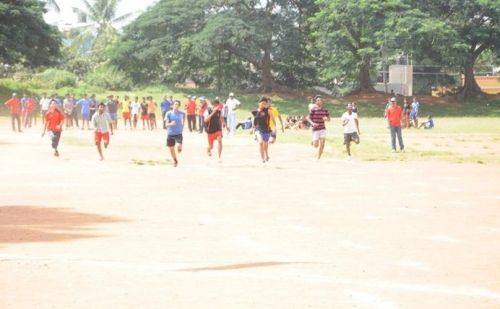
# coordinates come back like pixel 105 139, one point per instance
pixel 102 13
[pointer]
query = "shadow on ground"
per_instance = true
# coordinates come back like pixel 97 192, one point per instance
pixel 19 224
pixel 241 266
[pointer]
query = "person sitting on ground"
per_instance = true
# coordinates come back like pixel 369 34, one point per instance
pixel 429 124
pixel 245 125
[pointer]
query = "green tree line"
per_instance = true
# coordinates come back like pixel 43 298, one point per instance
pixel 264 44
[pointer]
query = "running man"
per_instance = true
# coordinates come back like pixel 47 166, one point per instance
pixel 350 123
pixel 213 123
pixel 15 111
pixel 274 114
pixel 54 122
pixel 174 122
pixel 102 122
pixel 317 118
pixel 262 129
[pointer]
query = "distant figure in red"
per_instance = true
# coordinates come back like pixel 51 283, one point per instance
pixel 15 111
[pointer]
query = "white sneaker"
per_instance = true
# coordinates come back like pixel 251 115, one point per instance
pixel 348 158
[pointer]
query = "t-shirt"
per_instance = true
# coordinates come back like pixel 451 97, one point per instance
pixel 232 105
pixel 274 113
pixel 151 107
pixel 135 108
pixel 394 116
pixel 214 124
pixel 68 106
pixel 54 119
pixel 261 120
pixel 350 127
pixel 85 103
pixel 191 107
pixel 101 121
pixel 30 105
pixel 165 106
pixel 44 104
pixel 144 108
pixel 203 108
pixel 178 117
pixel 316 115
pixel 15 105
pixel 112 106
pixel 414 107
pixel 126 106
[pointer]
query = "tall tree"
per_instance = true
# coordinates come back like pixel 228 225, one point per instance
pixel 350 35
pixel 477 27
pixel 24 36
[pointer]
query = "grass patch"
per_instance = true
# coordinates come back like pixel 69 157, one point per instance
pixel 151 162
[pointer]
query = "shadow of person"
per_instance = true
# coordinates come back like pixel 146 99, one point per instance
pixel 20 224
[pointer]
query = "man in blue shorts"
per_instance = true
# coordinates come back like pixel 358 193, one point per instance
pixel 174 122
pixel 262 128
pixel 85 104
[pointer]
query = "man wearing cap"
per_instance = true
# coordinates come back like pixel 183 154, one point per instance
pixel 317 118
pixel 232 104
pixel 15 111
pixel 201 113
pixel 394 114
pixel 350 123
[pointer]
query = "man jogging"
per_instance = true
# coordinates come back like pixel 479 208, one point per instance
pixel 317 118
pixel 213 123
pixel 174 122
pixel 350 123
pixel 53 123
pixel 102 122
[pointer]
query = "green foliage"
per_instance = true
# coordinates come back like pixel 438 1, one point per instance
pixel 110 78
pixel 56 79
pixel 24 36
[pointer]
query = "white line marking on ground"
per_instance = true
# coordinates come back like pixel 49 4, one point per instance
pixel 444 238
pixel 371 300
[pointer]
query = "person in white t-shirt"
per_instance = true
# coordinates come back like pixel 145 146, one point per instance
pixel 44 106
pixel 350 123
pixel 135 111
pixel 232 104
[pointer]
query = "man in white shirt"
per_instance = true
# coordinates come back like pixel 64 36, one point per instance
pixel 350 123
pixel 232 104
pixel 103 124
pixel 44 106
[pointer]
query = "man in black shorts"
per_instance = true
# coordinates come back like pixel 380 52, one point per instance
pixel 350 123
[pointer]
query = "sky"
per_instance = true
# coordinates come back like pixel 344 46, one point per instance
pixel 66 15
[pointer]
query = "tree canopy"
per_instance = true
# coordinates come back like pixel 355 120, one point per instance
pixel 25 38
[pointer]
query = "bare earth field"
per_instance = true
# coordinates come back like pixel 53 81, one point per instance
pixel 135 232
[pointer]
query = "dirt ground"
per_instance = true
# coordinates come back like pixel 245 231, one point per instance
pixel 132 231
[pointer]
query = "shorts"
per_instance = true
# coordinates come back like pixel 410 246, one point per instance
pixel 85 116
pixel 152 116
pixel 317 135
pixel 126 115
pixel 101 136
pixel 113 116
pixel 144 117
pixel 349 137
pixel 262 136
pixel 172 139
pixel 213 136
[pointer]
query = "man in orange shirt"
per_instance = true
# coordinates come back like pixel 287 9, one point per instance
pixel 151 112
pixel 15 111
pixel 394 115
pixel 53 122
pixel 191 113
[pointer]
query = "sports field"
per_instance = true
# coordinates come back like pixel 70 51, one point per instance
pixel 409 230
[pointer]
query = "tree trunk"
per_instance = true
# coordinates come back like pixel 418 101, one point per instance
pixel 267 78
pixel 470 88
pixel 219 68
pixel 365 83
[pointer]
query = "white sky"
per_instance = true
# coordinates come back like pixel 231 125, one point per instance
pixel 66 15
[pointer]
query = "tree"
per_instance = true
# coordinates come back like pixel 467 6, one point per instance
pixel 216 39
pixel 24 36
pixel 350 35
pixel 477 27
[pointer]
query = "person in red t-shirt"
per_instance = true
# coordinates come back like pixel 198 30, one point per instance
pixel 53 122
pixel 191 113
pixel 15 111
pixel 29 108
pixel 394 115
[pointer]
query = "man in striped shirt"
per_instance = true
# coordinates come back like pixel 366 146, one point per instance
pixel 317 118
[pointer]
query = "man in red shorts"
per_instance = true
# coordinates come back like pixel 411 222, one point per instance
pixel 102 123
pixel 214 121
pixel 53 122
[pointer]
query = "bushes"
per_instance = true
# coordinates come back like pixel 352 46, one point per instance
pixel 55 79
pixel 109 78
